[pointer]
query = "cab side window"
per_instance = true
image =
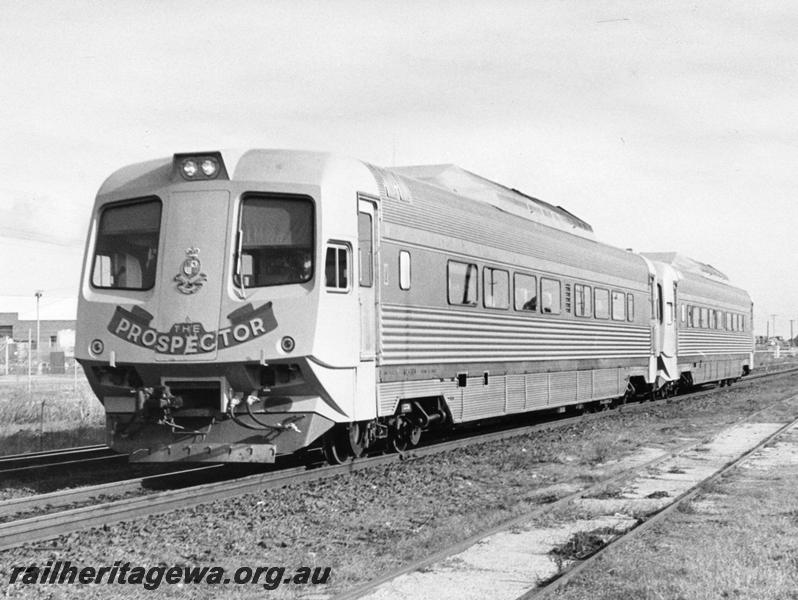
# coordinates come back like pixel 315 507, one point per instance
pixel 336 267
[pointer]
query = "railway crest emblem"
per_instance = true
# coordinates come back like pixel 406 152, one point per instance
pixel 190 279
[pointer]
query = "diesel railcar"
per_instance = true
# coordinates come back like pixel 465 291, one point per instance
pixel 237 306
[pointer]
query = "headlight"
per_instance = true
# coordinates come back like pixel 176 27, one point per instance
pixel 209 167
pixel 189 168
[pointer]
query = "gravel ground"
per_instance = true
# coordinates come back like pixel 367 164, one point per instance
pixel 369 522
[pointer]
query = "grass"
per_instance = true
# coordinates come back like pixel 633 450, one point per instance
pixel 56 412
pixel 736 540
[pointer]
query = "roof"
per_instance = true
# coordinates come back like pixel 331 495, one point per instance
pixel 459 181
pixel 686 264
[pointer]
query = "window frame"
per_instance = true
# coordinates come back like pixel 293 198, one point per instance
pixel 122 204
pixel 585 292
pixel 238 278
pixel 596 315
pixel 405 285
pixel 369 281
pixel 493 271
pixel 621 296
pixel 338 245
pixel 534 288
pixel 544 279
pixel 469 266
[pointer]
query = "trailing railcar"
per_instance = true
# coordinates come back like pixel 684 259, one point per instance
pixel 238 306
pixel 709 333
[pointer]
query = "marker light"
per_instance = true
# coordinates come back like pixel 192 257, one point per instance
pixel 189 168
pixel 209 167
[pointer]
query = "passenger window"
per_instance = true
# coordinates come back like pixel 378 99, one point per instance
pixel 601 302
pixel 127 246
pixel 582 297
pixel 336 267
pixel 702 323
pixel 496 288
pixel 365 248
pixel 550 296
pixel 630 309
pixel 526 292
pixel 618 306
pixel 684 313
pixel 462 283
pixel 404 270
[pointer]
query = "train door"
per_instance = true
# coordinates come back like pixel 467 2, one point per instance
pixel 366 237
pixel 368 280
pixel 667 289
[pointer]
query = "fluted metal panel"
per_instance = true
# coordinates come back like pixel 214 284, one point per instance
pixel 516 393
pixel 537 390
pixel 706 341
pixel 608 383
pixel 584 386
pixel 390 393
pixel 412 335
pixel 562 388
pixel 481 400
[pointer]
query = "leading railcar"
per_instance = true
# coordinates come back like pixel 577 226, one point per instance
pixel 238 306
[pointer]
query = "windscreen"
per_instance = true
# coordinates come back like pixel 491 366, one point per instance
pixel 276 240
pixel 126 250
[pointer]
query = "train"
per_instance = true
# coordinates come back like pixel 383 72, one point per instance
pixel 241 306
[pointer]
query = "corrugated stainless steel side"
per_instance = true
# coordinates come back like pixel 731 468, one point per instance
pixel 480 401
pixel 412 335
pixel 713 370
pixel 516 393
pixel 705 341
pixel 508 394
pixel 537 390
pixel 390 393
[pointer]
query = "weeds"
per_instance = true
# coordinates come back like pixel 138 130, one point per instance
pixel 581 545
pixel 608 493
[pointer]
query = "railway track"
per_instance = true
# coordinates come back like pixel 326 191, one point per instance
pixel 546 590
pixel 40 527
pixel 18 464
pixel 380 587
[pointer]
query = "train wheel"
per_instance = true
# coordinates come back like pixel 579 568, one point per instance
pixel 356 439
pixel 343 442
pixel 331 446
pixel 406 436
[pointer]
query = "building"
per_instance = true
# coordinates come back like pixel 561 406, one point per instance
pixel 56 337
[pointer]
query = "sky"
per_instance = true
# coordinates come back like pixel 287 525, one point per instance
pixel 666 126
